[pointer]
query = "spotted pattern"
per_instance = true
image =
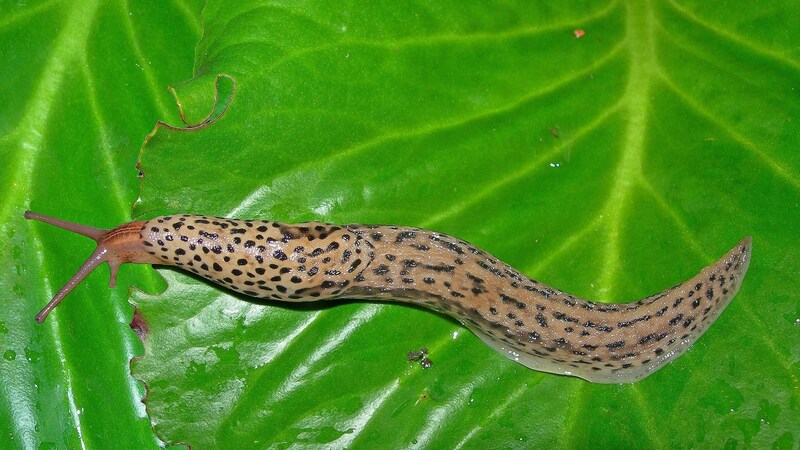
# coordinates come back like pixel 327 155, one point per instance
pixel 534 324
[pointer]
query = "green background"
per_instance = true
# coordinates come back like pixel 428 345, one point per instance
pixel 611 166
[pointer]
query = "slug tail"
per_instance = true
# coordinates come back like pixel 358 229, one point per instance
pixel 626 342
pixel 680 315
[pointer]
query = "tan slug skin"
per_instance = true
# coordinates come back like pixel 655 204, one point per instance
pixel 539 326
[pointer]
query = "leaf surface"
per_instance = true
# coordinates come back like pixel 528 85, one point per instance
pixel 83 83
pixel 611 166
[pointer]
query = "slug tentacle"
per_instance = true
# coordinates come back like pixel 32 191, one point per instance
pixel 534 324
pixel 116 246
pixel 97 258
pixel 90 232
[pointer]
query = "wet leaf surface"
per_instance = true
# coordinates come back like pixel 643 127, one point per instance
pixel 83 83
pixel 611 166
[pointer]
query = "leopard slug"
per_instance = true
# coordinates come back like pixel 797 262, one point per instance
pixel 536 325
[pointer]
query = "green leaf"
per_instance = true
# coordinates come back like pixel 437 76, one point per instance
pixel 676 136
pixel 83 83
pixel 612 166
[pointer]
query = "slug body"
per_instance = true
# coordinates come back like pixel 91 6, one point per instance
pixel 539 326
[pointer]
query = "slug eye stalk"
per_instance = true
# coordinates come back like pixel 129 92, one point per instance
pixel 115 246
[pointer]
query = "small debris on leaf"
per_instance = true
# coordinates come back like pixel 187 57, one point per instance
pixel 421 356
pixel 139 326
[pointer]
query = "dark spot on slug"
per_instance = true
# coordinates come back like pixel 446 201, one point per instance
pixel 439 268
pixel 405 235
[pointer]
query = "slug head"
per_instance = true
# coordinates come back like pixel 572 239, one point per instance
pixel 115 246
